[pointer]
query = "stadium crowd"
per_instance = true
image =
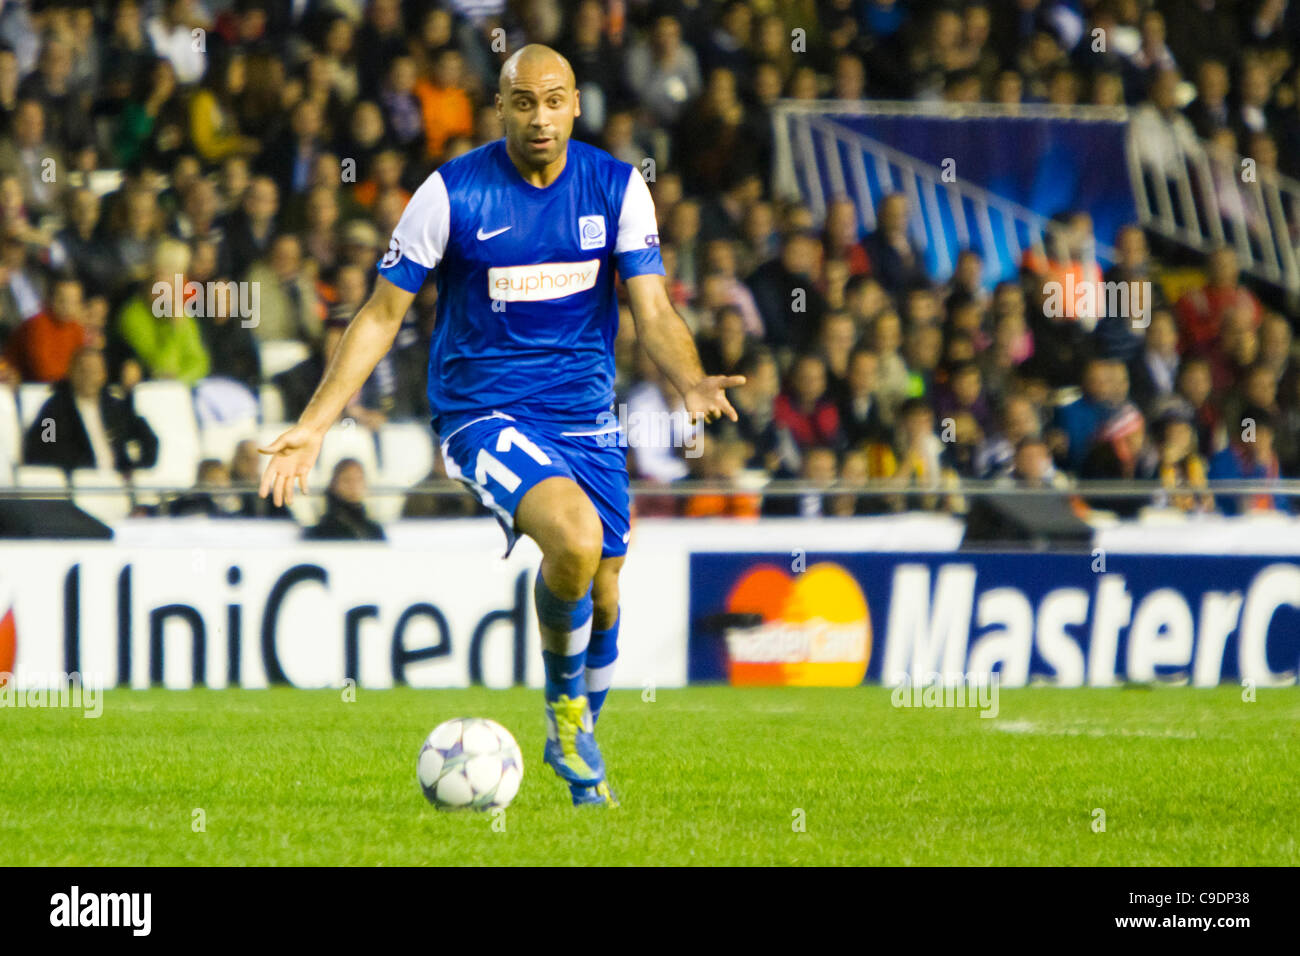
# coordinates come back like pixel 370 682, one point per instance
pixel 276 143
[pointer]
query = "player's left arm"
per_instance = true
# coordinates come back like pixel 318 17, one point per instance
pixel 659 328
pixel 664 335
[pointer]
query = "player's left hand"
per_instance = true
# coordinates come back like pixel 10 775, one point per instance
pixel 707 401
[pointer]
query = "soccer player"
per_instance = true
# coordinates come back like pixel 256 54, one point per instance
pixel 524 235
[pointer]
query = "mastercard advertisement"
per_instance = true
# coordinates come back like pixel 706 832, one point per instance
pixel 786 628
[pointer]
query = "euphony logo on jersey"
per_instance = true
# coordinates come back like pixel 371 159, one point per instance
pixel 538 283
pixel 815 630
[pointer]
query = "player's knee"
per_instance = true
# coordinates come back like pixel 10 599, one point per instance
pixel 575 554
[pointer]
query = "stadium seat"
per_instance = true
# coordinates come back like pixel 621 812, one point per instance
pixel 219 441
pixel 39 476
pixel 272 404
pixel 102 493
pixel 281 355
pixel 11 434
pixel 31 396
pixel 169 410
pixel 346 441
pixel 405 454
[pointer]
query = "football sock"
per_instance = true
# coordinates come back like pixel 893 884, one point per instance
pixel 565 630
pixel 601 654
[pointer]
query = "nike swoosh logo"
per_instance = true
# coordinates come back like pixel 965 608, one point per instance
pixel 488 235
pixel 626 536
pixel 564 676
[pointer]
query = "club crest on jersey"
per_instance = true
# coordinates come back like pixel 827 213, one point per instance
pixel 393 255
pixel 591 229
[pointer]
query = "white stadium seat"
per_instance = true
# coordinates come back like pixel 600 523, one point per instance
pixel 280 355
pixel 39 476
pixel 272 404
pixel 11 433
pixel 31 396
pixel 219 441
pixel 405 454
pixel 169 410
pixel 346 441
pixel 109 502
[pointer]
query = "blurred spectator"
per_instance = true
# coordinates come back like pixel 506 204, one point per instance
pixel 1201 312
pixel 895 260
pixel 214 121
pixel 1121 452
pixel 41 349
pixel 248 230
pixel 722 462
pixel 723 351
pixel 38 161
pixel 819 467
pixel 859 410
pixel 806 408
pixel 654 405
pixel 964 392
pixel 209 496
pixel 1075 424
pixel 772 447
pixel 1250 455
pixel 290 308
pixel 1031 466
pixel 1153 370
pixel 784 291
pixel 154 323
pixel 171 33
pixel 663 72
pixel 1181 467
pixel 83 425
pixel 446 109
pixel 246 469
pixel 82 246
pixel 345 511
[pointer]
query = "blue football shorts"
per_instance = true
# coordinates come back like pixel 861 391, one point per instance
pixel 500 458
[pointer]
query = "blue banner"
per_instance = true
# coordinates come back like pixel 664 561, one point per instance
pixel 838 619
pixel 1047 165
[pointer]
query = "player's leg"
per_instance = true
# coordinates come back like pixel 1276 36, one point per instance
pixel 602 650
pixel 601 471
pixel 559 516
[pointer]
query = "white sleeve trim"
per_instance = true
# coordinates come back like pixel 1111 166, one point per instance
pixel 636 220
pixel 422 231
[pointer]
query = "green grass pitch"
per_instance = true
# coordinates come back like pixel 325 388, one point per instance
pixel 707 775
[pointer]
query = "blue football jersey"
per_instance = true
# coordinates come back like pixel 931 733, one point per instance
pixel 527 309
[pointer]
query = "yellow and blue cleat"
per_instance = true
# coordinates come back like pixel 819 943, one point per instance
pixel 571 747
pixel 599 795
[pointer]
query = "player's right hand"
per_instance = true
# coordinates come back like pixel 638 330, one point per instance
pixel 292 457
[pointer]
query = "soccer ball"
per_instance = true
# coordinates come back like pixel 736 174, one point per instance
pixel 470 762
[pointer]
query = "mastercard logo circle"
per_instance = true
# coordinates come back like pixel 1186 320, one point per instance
pixel 815 630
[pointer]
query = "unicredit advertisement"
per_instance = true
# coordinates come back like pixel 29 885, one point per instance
pixel 837 619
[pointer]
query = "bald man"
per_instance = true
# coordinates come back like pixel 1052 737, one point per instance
pixel 524 236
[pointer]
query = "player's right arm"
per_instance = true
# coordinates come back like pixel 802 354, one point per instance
pixel 366 340
pixel 417 246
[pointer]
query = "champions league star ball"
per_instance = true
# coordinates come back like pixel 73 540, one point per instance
pixel 470 763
